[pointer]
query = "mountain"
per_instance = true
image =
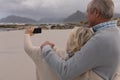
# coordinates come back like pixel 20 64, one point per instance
pixel 16 19
pixel 80 16
pixel 51 20
pixel 76 17
pixel 116 15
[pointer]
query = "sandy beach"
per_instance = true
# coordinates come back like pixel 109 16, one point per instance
pixel 15 64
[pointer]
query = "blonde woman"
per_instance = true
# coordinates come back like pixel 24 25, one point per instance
pixel 76 39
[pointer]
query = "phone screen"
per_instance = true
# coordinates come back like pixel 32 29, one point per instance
pixel 37 30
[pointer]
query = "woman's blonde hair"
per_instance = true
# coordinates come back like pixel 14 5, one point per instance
pixel 77 38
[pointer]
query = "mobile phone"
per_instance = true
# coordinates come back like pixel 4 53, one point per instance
pixel 37 30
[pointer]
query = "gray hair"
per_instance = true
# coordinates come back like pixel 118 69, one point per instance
pixel 106 7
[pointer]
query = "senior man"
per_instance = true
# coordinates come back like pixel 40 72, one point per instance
pixel 100 53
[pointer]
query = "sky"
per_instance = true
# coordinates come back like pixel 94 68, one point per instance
pixel 38 9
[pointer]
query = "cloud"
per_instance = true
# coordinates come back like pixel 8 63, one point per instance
pixel 117 5
pixel 44 8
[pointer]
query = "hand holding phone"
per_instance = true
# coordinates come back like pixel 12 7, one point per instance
pixel 29 31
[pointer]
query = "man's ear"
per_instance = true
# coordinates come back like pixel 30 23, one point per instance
pixel 97 13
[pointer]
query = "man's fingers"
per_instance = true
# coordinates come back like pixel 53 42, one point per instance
pixel 47 43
